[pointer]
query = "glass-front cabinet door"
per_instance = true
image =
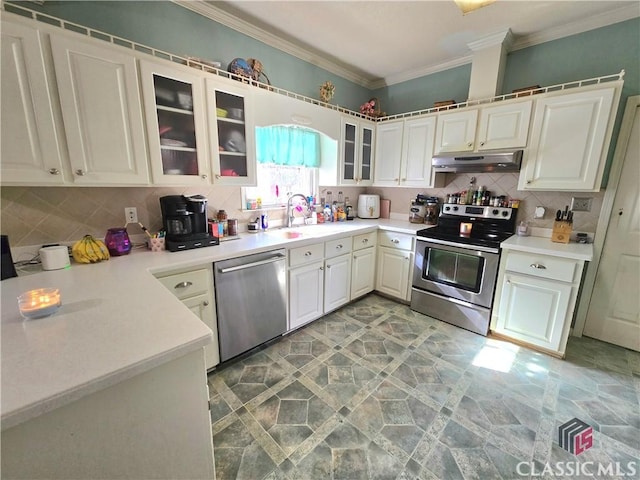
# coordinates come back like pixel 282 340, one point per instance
pixel 176 123
pixel 231 132
pixel 356 156
pixel 366 152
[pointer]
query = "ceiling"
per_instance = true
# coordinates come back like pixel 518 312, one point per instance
pixel 378 43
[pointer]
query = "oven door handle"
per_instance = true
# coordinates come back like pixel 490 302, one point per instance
pixel 460 246
pixel 461 302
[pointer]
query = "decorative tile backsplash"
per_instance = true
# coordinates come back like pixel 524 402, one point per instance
pixel 38 215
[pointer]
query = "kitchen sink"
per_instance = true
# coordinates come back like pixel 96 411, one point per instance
pixel 307 231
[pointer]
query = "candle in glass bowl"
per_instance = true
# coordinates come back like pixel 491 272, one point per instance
pixel 39 303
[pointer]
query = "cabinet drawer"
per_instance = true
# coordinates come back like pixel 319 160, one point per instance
pixel 364 240
pixel 308 254
pixel 187 284
pixel 543 266
pixel 333 248
pixel 401 241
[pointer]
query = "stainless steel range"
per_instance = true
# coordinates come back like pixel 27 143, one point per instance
pixel 456 264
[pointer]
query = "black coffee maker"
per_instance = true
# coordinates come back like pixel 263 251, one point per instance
pixel 184 218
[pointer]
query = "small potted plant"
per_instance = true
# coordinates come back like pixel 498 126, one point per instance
pixel 327 90
pixel 371 108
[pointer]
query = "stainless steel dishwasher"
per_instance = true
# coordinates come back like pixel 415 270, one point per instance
pixel 251 301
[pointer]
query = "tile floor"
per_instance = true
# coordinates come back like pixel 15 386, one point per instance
pixel 377 391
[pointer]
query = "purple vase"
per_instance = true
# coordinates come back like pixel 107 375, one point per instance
pixel 117 241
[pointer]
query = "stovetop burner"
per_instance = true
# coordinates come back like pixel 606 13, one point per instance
pixel 489 225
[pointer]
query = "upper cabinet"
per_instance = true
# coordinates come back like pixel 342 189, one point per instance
pixel 102 112
pixel 403 153
pixel 456 131
pixel 356 151
pixel 486 128
pixel 570 139
pixel 231 132
pixel 31 152
pixel 174 107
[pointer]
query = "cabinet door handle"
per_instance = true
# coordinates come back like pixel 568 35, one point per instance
pixel 365 241
pixel 205 303
pixel 539 266
pixel 395 240
pixel 54 171
pixel 529 182
pixel 470 144
pixel 183 285
pixel 80 172
pixel 321 268
pixel 406 258
pixel 338 247
pixel 307 254
pixel 482 144
pixel 204 176
pixel 218 176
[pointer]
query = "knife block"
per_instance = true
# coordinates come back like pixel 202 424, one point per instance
pixel 561 231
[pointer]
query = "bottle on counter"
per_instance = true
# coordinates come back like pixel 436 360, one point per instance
pixel 327 213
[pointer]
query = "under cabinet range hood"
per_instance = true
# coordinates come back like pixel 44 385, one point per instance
pixel 478 162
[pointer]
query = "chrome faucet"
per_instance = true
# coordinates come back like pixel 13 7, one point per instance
pixel 290 207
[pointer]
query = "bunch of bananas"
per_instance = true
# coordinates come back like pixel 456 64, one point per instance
pixel 89 250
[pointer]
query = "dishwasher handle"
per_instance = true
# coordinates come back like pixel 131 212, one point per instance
pixel 244 266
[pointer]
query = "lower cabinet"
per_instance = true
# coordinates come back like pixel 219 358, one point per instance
pixel 533 310
pixel 195 289
pixel 305 294
pixel 363 264
pixel 395 259
pixel 337 282
pixel 535 299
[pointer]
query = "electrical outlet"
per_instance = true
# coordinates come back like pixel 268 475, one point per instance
pixel 581 204
pixel 131 215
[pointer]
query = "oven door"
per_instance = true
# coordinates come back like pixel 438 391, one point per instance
pixel 464 272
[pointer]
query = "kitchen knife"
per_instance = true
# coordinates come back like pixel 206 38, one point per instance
pixel 570 217
pixel 558 215
pixel 566 212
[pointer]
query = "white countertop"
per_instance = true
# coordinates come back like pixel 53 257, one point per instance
pixel 117 320
pixel 544 245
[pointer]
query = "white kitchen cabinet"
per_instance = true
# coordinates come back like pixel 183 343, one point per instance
pixel 231 132
pixel 395 260
pixel 456 131
pixel 388 153
pixel 504 126
pixel 356 151
pixel 174 106
pixel 570 138
pixel 306 284
pixel 403 153
pixel 102 112
pixel 417 151
pixel 500 126
pixel 195 289
pixel 337 282
pixel 535 299
pixel 31 151
pixel 363 264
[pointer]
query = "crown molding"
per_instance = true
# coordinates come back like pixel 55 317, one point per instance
pixel 316 58
pixel 420 72
pixel 228 20
pixel 593 22
pixel 503 37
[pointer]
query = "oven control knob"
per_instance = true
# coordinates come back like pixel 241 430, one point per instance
pixel 495 211
pixel 455 209
pixel 505 213
pixel 446 209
